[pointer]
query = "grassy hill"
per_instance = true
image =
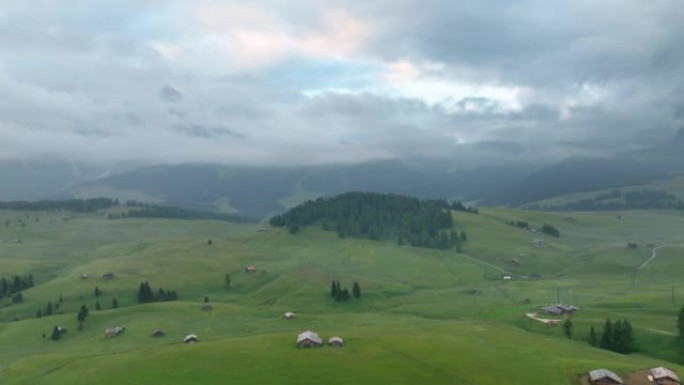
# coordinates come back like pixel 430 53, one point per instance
pixel 425 315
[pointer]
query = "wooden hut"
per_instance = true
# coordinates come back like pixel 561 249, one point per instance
pixel 309 339
pixel 207 306
pixel 336 342
pixel 158 333
pixel 664 376
pixel 604 377
pixel 250 269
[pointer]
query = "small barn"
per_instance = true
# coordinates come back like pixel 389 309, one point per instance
pixel 309 339
pixel 604 377
pixel 250 269
pixel 664 376
pixel 158 333
pixel 108 276
pixel 115 331
pixel 190 339
pixel 336 342
pixel 559 309
pixel 289 315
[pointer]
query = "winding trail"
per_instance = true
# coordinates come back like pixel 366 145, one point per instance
pixel 653 255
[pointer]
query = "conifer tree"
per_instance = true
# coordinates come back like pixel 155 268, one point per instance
pixel 680 323
pixel 39 314
pixel 48 309
pixel 356 290
pixel 97 305
pixel 593 339
pixel 82 314
pixel 628 337
pixel 618 337
pixel 115 304
pixel 56 333
pixel 97 292
pixel 333 289
pixel 227 279
pixel 607 336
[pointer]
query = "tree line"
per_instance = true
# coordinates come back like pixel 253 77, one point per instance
pixel 75 205
pixel 15 285
pixel 617 337
pixel 146 294
pixel 341 294
pixel 378 217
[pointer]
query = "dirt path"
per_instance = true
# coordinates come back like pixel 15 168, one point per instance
pixel 545 321
pixel 653 255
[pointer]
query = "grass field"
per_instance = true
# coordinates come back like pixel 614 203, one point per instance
pixel 426 316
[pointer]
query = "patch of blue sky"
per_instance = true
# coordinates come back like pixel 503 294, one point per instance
pixel 322 74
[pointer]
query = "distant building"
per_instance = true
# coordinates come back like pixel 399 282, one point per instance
pixel 115 331
pixel 664 376
pixel 309 339
pixel 289 315
pixel 250 269
pixel 336 342
pixel 604 377
pixel 207 306
pixel 507 277
pixel 559 309
pixel 108 276
pixel 158 333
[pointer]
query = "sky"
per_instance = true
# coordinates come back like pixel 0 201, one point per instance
pixel 302 82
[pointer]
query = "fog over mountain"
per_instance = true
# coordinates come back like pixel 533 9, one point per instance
pixel 300 83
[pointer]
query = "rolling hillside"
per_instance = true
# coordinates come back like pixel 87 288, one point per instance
pixel 424 315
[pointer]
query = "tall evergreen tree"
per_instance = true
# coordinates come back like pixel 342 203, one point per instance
pixel 39 314
pixel 82 313
pixel 356 290
pixel 628 337
pixel 48 309
pixel 333 289
pixel 593 338
pixel 607 336
pixel 56 333
pixel 97 291
pixel 97 305
pixel 115 304
pixel 618 344
pixel 227 281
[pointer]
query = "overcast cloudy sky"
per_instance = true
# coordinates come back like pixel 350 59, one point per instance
pixel 311 81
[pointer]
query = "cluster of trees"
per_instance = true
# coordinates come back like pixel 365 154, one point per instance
pixel 520 224
pixel 617 337
pixel 75 205
pixel 340 294
pixel 13 287
pixel 550 229
pixel 146 294
pixel 50 309
pixel 619 200
pixel 170 212
pixel 377 216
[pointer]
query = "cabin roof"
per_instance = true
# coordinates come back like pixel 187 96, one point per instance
pixel 662 372
pixel 309 335
pixel 598 374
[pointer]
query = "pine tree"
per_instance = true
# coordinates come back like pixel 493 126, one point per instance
pixel 333 289
pixel 628 337
pixel 115 304
pixel 209 242
pixel 567 327
pixel 618 344
pixel 227 280
pixel 97 292
pixel 206 299
pixel 593 339
pixel 56 333
pixel 607 336
pixel 82 314
pixel 48 309
pixel 39 314
pixel 97 305
pixel 356 290
pixel 61 299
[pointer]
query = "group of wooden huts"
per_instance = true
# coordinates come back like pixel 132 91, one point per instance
pixel 309 339
pixel 559 309
pixel 656 376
